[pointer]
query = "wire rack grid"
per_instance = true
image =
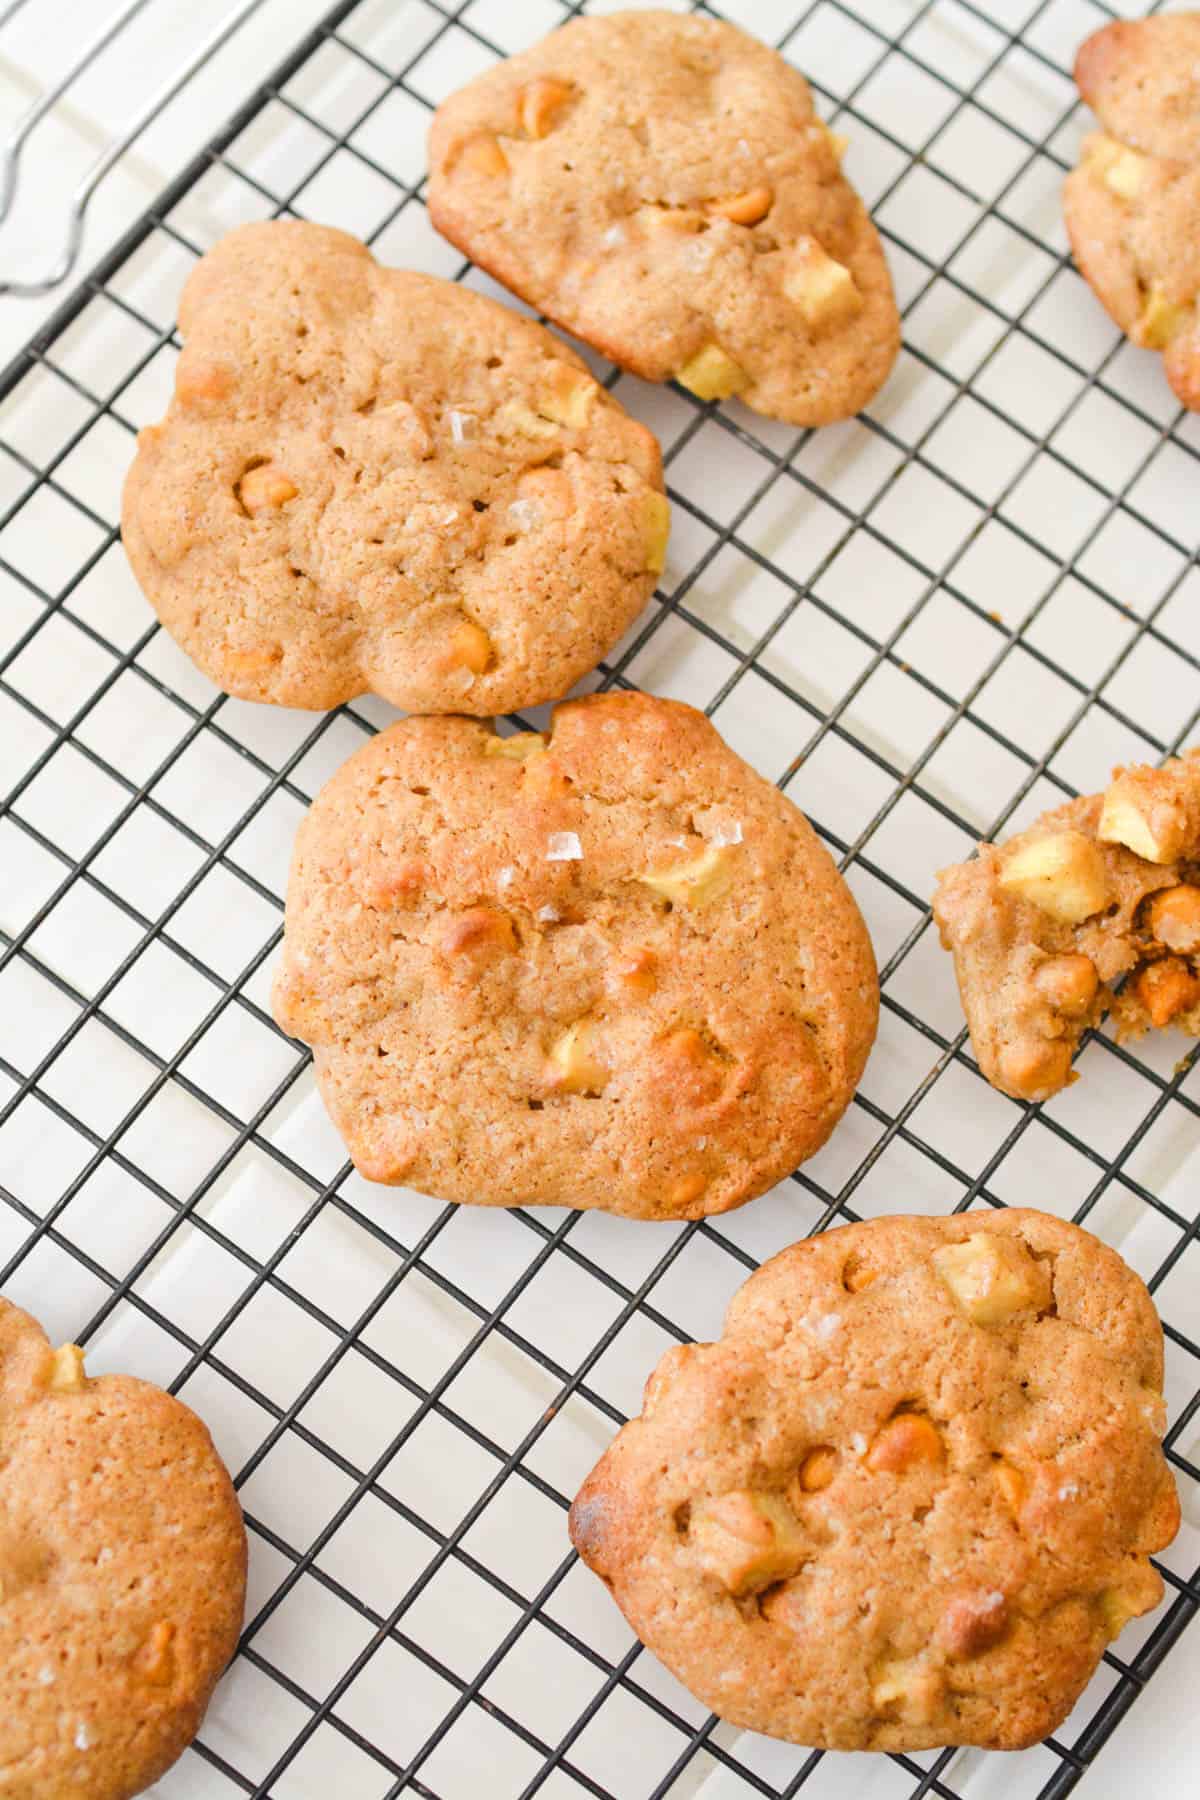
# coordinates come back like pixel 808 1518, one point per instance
pixel 926 624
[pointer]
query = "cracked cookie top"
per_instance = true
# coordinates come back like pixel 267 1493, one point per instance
pixel 909 1495
pixel 375 481
pixel 606 967
pixel 122 1573
pixel 1095 908
pixel 1133 205
pixel 662 186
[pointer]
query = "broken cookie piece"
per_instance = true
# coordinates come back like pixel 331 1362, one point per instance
pixel 1094 909
pixel 1132 204
pixel 921 1527
pixel 662 186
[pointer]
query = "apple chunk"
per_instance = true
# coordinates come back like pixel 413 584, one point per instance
pixel 1062 875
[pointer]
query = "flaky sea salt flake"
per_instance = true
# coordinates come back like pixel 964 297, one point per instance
pixel 462 426
pixel 526 515
pixel 563 846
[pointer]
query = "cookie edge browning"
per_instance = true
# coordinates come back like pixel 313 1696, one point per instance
pixel 26 1346
pixel 329 687
pixel 453 223
pixel 596 1520
pixel 858 1032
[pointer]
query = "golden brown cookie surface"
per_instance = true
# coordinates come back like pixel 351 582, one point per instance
pixel 1103 889
pixel 909 1495
pixel 1133 205
pixel 662 186
pixel 609 968
pixel 122 1573
pixel 375 481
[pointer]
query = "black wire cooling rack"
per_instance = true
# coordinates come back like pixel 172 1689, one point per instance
pixel 926 624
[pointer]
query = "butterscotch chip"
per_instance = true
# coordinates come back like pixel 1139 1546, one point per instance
pixel 1132 203
pixel 604 966
pixel 1174 917
pixel 747 208
pixel 122 1573
pixel 662 173
pixel 1095 908
pixel 1166 989
pixel 541 103
pixel 370 480
pixel 818 1469
pixel 482 156
pixel 904 1443
pixel 821 1525
pixel 1068 983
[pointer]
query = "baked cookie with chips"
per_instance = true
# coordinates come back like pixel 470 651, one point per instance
pixel 910 1494
pixel 375 481
pixel 662 186
pixel 605 966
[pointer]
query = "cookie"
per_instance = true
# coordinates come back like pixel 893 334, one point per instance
pixel 608 967
pixel 1100 891
pixel 662 186
pixel 908 1497
pixel 1133 203
pixel 122 1573
pixel 374 481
